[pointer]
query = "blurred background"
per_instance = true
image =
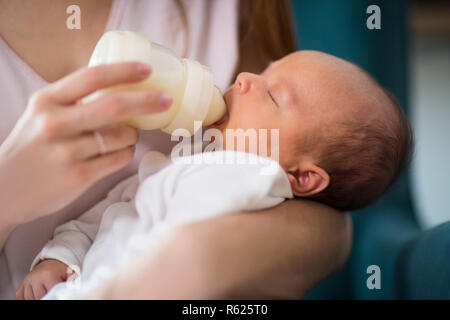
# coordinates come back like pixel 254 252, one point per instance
pixel 406 233
pixel 430 108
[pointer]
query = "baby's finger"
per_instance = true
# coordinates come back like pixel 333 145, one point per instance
pixel 38 291
pixel 50 283
pixel 20 292
pixel 29 295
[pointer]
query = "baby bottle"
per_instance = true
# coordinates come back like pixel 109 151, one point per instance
pixel 190 84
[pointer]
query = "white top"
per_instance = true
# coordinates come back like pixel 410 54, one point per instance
pixel 161 196
pixel 213 42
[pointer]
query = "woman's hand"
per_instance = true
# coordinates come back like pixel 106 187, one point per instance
pixel 53 153
pixel 280 253
pixel 44 276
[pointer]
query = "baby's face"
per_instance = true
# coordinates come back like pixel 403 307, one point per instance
pixel 302 95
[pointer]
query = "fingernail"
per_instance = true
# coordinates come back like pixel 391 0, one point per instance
pixel 144 69
pixel 165 100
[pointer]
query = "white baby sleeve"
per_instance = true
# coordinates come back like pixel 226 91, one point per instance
pixel 215 187
pixel 72 240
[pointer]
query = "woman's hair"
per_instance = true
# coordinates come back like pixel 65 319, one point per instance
pixel 266 32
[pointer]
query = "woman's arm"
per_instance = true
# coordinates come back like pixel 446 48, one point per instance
pixel 282 252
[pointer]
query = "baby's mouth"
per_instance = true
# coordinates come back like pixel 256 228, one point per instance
pixel 221 120
pixel 226 114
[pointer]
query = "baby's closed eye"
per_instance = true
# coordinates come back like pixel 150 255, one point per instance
pixel 271 97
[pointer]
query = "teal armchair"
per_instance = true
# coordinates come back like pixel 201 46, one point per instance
pixel 414 264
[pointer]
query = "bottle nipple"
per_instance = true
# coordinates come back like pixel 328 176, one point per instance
pixel 217 108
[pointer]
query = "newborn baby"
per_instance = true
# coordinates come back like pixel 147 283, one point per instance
pixel 343 138
pixel 342 141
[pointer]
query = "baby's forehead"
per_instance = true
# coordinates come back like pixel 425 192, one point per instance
pixel 310 60
pixel 305 73
pixel 325 82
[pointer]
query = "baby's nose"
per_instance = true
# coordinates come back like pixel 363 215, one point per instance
pixel 245 81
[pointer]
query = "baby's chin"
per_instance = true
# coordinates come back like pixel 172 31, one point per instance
pixel 221 124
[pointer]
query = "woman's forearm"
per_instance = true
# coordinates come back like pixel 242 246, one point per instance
pixel 281 252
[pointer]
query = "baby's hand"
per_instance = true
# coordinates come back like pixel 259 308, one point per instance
pixel 44 276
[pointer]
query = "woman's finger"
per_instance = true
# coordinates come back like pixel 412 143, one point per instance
pixel 113 138
pixel 85 81
pixel 116 106
pixel 98 167
pixel 111 108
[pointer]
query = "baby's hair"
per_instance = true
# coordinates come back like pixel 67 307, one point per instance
pixel 364 159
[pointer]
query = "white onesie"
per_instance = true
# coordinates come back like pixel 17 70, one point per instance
pixel 162 195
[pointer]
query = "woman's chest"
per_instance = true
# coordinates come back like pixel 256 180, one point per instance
pixel 52 59
pixel 46 39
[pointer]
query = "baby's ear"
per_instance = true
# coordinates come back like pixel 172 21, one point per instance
pixel 308 179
